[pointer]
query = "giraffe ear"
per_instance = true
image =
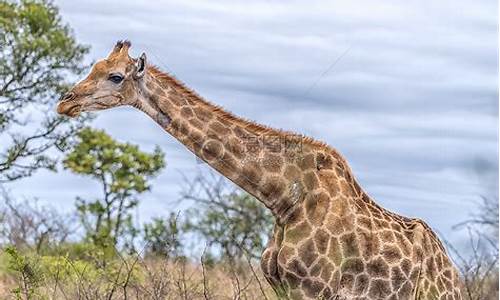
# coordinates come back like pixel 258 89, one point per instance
pixel 140 66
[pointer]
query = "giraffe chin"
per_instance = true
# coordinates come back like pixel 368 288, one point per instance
pixel 68 109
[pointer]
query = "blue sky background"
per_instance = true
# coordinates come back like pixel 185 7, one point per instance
pixel 412 103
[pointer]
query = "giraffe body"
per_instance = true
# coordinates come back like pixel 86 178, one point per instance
pixel 355 250
pixel 331 241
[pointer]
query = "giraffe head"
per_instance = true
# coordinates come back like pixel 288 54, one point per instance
pixel 113 81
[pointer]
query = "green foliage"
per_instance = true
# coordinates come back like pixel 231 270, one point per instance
pixel 123 171
pixel 38 54
pixel 122 166
pixel 43 276
pixel 27 272
pixel 79 250
pixel 73 270
pixel 162 237
pixel 236 222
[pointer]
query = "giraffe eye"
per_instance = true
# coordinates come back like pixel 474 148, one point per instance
pixel 115 78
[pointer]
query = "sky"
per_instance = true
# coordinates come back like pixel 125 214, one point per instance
pixel 407 91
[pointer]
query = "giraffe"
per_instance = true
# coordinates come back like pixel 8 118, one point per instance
pixel 330 239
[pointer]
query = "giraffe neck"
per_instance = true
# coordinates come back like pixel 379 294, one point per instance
pixel 262 161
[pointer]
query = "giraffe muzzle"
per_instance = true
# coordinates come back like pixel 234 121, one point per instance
pixel 67 106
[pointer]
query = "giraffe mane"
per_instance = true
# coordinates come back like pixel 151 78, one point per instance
pixel 171 80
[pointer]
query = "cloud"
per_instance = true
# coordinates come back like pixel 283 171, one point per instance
pixel 413 104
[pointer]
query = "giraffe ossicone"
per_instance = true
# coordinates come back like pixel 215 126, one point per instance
pixel 331 240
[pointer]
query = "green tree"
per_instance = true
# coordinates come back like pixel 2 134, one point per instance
pixel 234 221
pixel 38 54
pixel 123 171
pixel 162 237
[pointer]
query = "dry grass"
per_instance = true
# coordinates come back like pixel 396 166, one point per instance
pixel 145 279
pixel 156 279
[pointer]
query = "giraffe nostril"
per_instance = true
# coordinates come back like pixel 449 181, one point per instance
pixel 68 96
